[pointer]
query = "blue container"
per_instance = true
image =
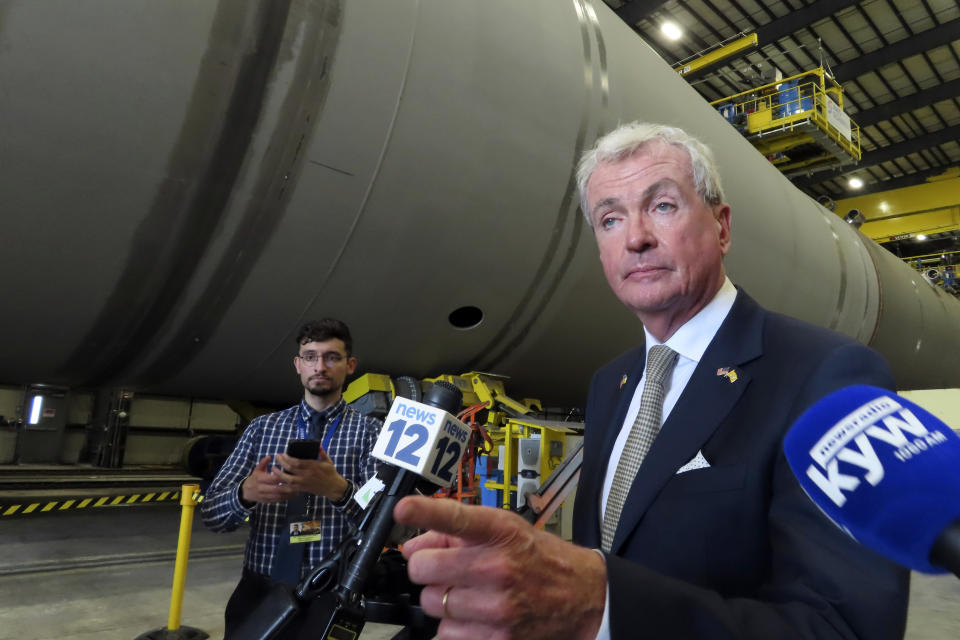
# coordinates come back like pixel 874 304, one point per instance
pixel 487 470
pixel 789 98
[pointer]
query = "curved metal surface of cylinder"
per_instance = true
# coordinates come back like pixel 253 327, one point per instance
pixel 185 183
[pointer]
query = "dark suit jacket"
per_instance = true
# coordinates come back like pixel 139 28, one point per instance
pixel 736 550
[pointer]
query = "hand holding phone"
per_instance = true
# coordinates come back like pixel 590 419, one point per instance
pixel 304 449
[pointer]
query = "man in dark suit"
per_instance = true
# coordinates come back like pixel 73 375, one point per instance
pixel 702 529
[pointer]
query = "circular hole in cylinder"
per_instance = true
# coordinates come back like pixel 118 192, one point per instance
pixel 466 317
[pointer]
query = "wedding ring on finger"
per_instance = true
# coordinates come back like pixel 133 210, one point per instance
pixel 443 603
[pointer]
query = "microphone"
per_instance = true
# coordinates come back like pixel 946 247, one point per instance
pixel 421 444
pixel 426 442
pixel 884 470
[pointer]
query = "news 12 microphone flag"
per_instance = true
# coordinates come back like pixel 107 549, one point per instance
pixel 882 468
pixel 425 439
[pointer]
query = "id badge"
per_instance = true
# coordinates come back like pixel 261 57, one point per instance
pixel 305 531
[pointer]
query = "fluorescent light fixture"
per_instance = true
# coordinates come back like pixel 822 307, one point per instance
pixel 671 30
pixel 855 183
pixel 35 409
pixel 920 236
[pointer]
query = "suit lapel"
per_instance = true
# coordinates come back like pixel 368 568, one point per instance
pixel 705 401
pixel 624 397
pixel 611 410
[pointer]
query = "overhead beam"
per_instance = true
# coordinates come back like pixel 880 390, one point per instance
pixel 699 66
pixel 903 105
pixel 787 25
pixel 923 41
pixel 909 180
pixel 635 11
pixel 796 20
pixel 885 154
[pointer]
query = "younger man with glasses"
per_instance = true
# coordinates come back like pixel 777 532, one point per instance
pixel 280 493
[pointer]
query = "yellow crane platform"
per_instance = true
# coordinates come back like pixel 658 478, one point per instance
pixel 798 122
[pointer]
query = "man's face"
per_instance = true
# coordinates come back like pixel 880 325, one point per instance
pixel 331 366
pixel 661 246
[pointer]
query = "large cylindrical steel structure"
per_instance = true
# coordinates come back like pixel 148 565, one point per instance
pixel 184 183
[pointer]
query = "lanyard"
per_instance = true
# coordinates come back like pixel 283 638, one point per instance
pixel 304 431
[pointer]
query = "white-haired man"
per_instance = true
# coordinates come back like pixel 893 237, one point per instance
pixel 701 528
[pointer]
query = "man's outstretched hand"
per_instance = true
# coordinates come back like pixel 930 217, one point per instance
pixel 502 578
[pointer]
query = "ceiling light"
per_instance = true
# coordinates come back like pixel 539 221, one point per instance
pixel 920 236
pixel 671 30
pixel 855 183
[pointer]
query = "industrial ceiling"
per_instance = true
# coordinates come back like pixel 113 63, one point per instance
pixel 898 61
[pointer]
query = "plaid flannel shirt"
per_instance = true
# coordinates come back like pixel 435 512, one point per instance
pixel 268 435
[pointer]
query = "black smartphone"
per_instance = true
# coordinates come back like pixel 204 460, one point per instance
pixel 305 449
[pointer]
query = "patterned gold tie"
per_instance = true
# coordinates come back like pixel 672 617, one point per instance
pixel 645 428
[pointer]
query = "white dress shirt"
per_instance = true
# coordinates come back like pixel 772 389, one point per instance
pixel 690 342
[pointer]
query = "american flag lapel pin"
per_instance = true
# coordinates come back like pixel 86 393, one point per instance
pixel 728 373
pixel 623 380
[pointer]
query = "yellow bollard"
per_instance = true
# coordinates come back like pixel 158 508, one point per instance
pixel 173 631
pixel 188 503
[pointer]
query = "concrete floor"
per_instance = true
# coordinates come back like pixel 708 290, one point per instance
pixel 101 600
pixel 934 612
pixel 120 602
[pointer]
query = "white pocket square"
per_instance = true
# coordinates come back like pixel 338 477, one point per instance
pixel 698 462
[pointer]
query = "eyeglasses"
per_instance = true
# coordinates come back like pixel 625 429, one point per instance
pixel 329 358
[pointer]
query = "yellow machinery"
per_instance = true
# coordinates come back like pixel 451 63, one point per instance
pixel 506 424
pixel 798 123
pixel 701 63
pixel 922 262
pixel 371 393
pixel 900 214
pixel 549 437
pixel 909 216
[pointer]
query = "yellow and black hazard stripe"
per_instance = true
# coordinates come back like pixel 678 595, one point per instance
pixel 65 504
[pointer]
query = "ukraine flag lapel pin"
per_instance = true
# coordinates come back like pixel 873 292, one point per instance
pixel 623 380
